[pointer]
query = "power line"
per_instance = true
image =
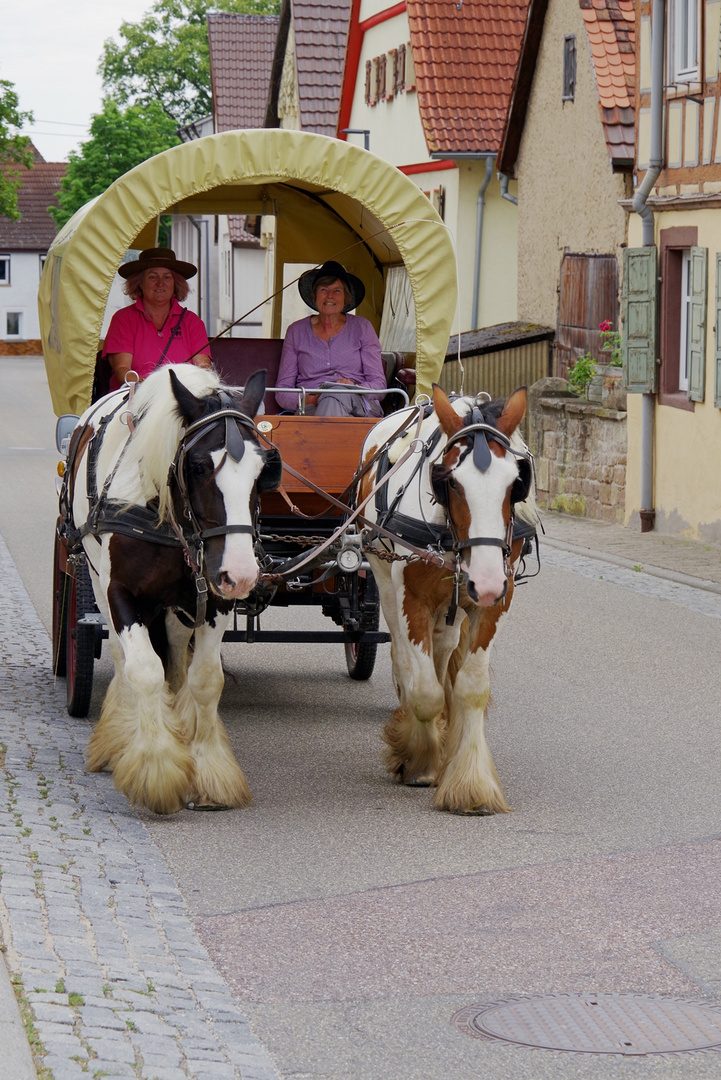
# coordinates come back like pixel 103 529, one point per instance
pixel 61 123
pixel 55 134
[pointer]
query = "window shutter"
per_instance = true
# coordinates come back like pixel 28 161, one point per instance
pixel 697 324
pixel 717 390
pixel 639 319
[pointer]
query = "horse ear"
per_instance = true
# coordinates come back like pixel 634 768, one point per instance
pixel 513 412
pixel 253 393
pixel 448 418
pixel 191 407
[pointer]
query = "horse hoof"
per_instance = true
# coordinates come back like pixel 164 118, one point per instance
pixel 419 779
pixel 475 811
pixel 205 806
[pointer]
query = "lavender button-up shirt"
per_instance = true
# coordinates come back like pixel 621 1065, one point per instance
pixel 354 353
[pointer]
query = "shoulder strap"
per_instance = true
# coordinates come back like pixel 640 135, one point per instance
pixel 173 334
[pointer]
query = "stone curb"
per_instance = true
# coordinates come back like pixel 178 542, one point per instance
pixel 17 1058
pixel 630 564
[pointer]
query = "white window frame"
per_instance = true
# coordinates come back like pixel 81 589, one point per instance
pixel 7 336
pixel 5 280
pixel 684 41
pixel 683 349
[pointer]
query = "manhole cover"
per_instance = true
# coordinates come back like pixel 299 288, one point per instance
pixel 596 1023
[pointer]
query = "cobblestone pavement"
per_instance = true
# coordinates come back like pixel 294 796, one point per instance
pixel 90 918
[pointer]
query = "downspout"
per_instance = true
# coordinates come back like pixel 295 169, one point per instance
pixel 480 204
pixel 504 189
pixel 648 400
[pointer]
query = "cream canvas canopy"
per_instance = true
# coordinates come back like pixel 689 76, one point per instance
pixel 330 200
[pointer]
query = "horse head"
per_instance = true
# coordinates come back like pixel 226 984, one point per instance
pixel 478 479
pixel 220 471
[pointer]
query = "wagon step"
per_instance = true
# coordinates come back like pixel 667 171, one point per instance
pixel 340 637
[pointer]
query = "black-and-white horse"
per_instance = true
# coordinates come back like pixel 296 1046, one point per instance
pixel 165 506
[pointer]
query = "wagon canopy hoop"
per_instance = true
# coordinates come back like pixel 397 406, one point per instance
pixel 323 192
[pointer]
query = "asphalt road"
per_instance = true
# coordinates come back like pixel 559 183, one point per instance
pixel 350 919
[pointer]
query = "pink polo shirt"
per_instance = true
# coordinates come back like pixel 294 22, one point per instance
pixel 132 331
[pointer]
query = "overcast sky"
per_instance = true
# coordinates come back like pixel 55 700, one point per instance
pixel 49 50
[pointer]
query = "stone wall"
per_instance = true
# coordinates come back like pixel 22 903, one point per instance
pixel 580 452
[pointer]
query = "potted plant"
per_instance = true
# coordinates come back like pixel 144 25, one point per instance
pixel 598 381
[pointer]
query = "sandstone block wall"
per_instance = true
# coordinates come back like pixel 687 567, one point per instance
pixel 580 452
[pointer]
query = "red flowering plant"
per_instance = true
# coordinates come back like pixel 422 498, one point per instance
pixel 611 342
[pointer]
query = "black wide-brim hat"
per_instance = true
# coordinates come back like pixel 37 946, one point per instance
pixel 331 269
pixel 157 257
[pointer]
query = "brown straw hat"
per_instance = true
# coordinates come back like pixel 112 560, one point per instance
pixel 153 257
pixel 331 269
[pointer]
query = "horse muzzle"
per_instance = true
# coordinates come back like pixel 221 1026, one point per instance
pixel 487 588
pixel 235 586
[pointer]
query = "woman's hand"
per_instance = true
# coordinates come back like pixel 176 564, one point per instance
pixel 202 361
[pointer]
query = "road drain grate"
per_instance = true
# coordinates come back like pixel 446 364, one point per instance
pixel 630 1024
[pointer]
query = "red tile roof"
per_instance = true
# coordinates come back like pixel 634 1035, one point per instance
pixel 241 59
pixel 321 35
pixel 611 31
pixel 239 231
pixel 36 229
pixel 465 57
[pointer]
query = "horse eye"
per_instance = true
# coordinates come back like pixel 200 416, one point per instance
pixel 200 469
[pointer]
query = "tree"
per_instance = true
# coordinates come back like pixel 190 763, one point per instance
pixel 165 59
pixel 119 140
pixel 15 149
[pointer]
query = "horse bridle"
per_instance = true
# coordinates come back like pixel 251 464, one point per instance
pixel 234 447
pixel 482 458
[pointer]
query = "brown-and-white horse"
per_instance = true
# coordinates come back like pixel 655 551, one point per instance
pixel 166 512
pixel 459 493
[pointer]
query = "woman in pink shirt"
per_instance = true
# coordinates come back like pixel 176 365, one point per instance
pixel 155 330
pixel 332 347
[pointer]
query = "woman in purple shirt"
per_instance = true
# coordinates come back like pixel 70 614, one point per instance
pixel 331 347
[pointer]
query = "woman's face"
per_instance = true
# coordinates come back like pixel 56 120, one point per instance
pixel 330 299
pixel 158 285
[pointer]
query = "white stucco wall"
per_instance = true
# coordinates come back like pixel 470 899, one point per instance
pixel 395 124
pixel 21 296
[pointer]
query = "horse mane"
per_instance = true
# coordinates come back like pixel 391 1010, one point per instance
pixel 159 428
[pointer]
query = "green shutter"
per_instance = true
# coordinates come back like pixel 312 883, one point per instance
pixel 640 280
pixel 698 276
pixel 717 390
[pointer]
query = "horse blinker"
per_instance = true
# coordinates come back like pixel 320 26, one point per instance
pixel 270 477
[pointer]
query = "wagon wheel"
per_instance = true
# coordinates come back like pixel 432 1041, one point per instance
pixel 61 590
pixel 360 656
pixel 80 641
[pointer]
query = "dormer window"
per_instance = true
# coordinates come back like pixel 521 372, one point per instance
pixel 569 67
pixel 683 41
